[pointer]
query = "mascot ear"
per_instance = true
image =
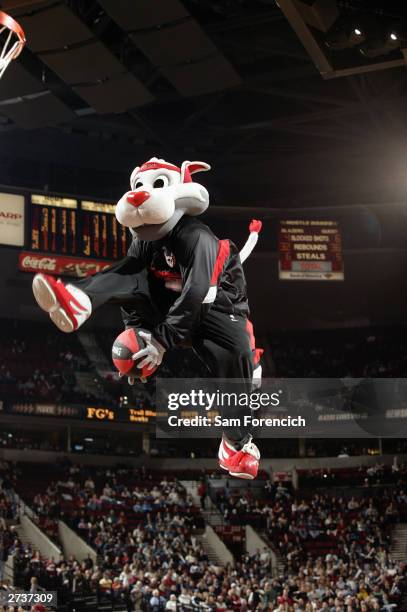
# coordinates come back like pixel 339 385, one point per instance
pixel 189 168
pixel 133 176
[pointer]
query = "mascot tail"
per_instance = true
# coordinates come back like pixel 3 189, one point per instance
pixel 254 229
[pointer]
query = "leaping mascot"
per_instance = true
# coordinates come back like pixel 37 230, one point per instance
pixel 179 282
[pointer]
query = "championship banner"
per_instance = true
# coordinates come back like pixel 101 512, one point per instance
pixel 12 219
pixel 60 265
pixel 310 250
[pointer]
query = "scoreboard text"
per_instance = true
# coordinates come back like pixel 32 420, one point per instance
pixel 70 227
pixel 310 250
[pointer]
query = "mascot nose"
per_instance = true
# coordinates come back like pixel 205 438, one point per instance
pixel 137 198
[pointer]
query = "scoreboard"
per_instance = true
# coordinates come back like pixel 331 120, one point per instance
pixel 310 249
pixel 78 228
pixel 53 223
pixel 102 235
pixel 71 236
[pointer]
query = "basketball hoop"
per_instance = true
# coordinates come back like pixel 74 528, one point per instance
pixel 12 40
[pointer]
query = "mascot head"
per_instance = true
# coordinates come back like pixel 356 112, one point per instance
pixel 160 195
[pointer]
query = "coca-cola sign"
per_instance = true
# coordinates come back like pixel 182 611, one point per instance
pixel 60 265
pixel 33 262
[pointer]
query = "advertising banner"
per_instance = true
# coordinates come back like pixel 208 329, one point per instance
pixel 60 265
pixel 11 219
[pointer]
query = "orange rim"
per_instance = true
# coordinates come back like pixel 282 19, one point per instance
pixel 11 24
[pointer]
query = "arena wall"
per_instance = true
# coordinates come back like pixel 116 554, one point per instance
pixel 39 540
pixel 220 549
pixel 293 305
pixel 277 465
pixel 74 545
pixel 254 543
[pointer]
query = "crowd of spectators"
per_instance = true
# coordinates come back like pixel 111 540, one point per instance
pixel 9 511
pixel 8 503
pixel 181 579
pixel 358 352
pixel 39 364
pixel 28 372
pixel 28 442
pixel 119 443
pixel 335 550
pixel 149 559
pixel 374 475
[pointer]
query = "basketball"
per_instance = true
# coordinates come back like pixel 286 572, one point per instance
pixel 124 347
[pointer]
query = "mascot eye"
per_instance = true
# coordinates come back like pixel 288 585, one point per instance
pixel 138 184
pixel 160 181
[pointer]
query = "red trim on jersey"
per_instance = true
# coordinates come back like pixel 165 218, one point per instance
pixel 223 254
pixel 165 274
pixel 249 329
pixel 258 352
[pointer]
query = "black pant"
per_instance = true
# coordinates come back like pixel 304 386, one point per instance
pixel 222 341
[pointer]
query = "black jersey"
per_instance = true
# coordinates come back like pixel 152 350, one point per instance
pixel 206 271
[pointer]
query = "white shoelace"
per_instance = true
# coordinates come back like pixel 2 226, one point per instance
pixel 251 449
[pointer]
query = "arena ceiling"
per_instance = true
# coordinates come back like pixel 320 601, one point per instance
pixel 254 88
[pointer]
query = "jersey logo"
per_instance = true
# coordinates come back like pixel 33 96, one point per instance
pixel 169 258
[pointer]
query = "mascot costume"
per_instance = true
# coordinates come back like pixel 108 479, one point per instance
pixel 179 282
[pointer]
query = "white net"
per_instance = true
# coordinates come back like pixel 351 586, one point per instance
pixel 10 47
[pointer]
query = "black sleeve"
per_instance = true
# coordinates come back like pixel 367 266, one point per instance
pixel 135 261
pixel 139 252
pixel 118 282
pixel 197 265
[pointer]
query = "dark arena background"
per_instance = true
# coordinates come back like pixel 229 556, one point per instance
pixel 299 106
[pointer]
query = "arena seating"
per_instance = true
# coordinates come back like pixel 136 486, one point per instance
pixel 365 476
pixel 27 373
pixel 358 352
pixel 82 496
pixel 323 530
pixel 337 353
pixel 334 552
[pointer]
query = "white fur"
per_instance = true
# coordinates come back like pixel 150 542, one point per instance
pixel 249 246
pixel 191 195
pixel 199 167
pixel 158 208
pixel 163 201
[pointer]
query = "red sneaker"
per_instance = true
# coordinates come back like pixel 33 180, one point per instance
pixel 68 306
pixel 241 464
